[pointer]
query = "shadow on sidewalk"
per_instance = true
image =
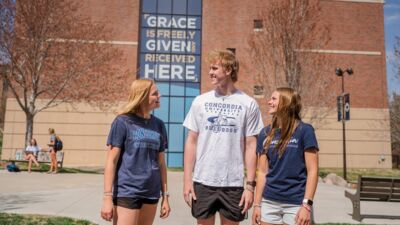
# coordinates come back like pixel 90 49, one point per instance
pixel 12 202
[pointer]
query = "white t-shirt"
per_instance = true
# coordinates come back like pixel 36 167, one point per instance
pixel 222 123
pixel 32 148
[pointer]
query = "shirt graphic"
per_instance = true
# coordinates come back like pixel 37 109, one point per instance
pixel 293 143
pixel 152 139
pixel 225 120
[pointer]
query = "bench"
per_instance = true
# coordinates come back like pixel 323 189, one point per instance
pixel 42 157
pixel 381 189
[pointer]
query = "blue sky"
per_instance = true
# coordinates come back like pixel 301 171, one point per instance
pixel 392 28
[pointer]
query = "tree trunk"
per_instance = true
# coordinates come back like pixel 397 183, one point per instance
pixel 29 128
pixel 3 102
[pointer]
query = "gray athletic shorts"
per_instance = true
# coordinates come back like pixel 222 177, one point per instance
pixel 278 213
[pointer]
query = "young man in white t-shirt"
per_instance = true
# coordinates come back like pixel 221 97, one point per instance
pixel 221 144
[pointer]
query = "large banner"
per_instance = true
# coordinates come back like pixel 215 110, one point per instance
pixel 170 53
pixel 170 47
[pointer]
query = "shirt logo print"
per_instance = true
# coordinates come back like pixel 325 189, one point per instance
pixel 141 134
pixel 225 121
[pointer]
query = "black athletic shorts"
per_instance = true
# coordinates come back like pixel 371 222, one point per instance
pixel 133 203
pixel 225 200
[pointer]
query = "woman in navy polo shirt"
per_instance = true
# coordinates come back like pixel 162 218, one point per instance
pixel 135 174
pixel 288 164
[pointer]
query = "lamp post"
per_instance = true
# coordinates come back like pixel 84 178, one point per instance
pixel 344 107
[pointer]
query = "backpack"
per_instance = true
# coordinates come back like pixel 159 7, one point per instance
pixel 12 167
pixel 58 144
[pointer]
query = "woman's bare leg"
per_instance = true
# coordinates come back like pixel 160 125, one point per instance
pixel 34 160
pixel 147 214
pixel 51 161
pixel 124 216
pixel 29 163
pixel 54 160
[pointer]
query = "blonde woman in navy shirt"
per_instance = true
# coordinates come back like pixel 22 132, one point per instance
pixel 288 164
pixel 135 176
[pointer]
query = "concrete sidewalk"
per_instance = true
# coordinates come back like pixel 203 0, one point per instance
pixel 80 196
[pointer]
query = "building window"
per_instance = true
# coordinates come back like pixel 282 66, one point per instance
pixel 258 91
pixel 258 25
pixel 233 50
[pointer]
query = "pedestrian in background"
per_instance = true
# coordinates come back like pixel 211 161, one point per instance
pixel 31 153
pixel 53 151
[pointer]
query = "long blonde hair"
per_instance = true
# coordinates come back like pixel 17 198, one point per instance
pixel 286 118
pixel 139 93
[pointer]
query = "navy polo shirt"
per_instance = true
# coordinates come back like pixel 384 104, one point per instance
pixel 287 176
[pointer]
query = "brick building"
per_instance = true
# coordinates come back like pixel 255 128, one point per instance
pixel 168 40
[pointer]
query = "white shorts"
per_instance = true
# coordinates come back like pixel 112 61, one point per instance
pixel 278 213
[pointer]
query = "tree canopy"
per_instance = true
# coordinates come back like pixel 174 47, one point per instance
pixel 55 54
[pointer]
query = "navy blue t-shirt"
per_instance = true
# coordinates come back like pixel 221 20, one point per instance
pixel 140 140
pixel 287 176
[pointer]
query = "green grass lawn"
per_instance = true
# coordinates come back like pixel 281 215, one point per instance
pixel 45 167
pixel 17 219
pixel 352 174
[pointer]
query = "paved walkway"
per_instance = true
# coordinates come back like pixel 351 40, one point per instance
pixel 80 196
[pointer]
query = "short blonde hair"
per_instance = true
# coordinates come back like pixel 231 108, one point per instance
pixel 228 61
pixel 139 93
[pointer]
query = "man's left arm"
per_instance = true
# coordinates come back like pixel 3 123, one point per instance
pixel 250 164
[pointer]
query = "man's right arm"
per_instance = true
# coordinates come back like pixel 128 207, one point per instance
pixel 189 162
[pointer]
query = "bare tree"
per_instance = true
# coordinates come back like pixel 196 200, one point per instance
pixel 3 100
pixel 395 106
pixel 396 59
pixel 3 83
pixel 395 125
pixel 285 51
pixel 57 55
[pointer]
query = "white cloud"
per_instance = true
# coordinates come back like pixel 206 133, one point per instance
pixel 392 6
pixel 391 18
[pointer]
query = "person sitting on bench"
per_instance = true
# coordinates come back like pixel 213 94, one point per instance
pixel 31 153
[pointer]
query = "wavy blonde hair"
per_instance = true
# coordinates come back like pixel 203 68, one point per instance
pixel 139 93
pixel 286 118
